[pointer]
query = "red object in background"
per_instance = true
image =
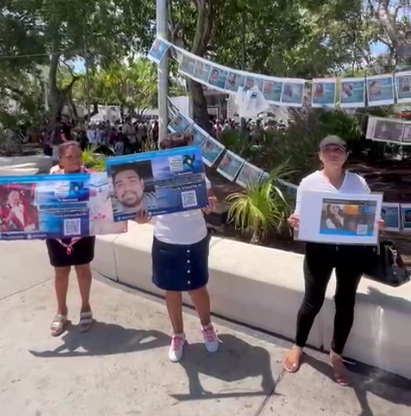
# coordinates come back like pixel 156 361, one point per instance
pixel 405 115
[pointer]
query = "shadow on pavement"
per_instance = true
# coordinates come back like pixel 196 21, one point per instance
pixel 234 361
pixel 375 297
pixel 105 339
pixel 366 380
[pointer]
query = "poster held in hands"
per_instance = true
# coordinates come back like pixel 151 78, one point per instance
pixel 157 183
pixel 339 219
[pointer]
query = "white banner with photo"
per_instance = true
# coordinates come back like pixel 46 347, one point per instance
pixel 214 153
pixel 384 89
pixel 339 219
pixel 390 130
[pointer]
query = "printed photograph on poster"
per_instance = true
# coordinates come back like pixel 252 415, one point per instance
pixel 251 82
pixel 406 135
pixel 391 215
pixel 249 175
pixel 352 93
pixel 179 124
pixel 403 87
pixel 161 182
pixel 217 78
pixel 101 210
pixel 211 150
pixel 44 206
pixel 187 64
pixel 292 94
pixel 201 71
pixel 326 218
pixel 230 165
pixel 406 217
pixel 18 210
pixel 380 90
pixel 272 90
pixel 388 131
pixel 234 81
pixel 323 93
pixel 158 50
pixel 199 135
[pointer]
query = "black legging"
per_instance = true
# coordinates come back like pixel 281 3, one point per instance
pixel 319 262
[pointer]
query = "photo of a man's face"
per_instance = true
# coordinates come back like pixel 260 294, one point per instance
pixel 132 189
pixel 128 188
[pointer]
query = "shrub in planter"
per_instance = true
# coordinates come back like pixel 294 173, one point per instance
pixel 93 160
pixel 261 208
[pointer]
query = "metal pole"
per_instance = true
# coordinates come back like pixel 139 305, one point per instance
pixel 161 18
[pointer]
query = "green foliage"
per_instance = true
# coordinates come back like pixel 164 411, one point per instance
pixel 260 208
pixel 93 160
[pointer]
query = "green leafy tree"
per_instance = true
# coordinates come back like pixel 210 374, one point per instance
pixel 50 31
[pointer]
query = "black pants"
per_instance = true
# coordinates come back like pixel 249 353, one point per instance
pixel 319 262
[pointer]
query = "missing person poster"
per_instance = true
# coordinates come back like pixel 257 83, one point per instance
pixel 339 219
pixel 161 182
pixel 46 206
pixel 56 206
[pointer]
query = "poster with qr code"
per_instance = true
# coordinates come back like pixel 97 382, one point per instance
pixel 340 218
pixel 44 206
pixel 157 183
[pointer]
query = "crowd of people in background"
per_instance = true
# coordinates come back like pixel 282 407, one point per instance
pixel 123 138
pixel 134 135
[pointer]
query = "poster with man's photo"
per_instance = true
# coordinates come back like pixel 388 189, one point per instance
pixel 157 183
pixel 339 219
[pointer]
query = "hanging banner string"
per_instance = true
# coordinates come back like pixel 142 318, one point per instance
pixel 236 169
pixel 330 92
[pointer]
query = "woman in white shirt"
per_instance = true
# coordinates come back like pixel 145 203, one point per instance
pixel 321 259
pixel 180 263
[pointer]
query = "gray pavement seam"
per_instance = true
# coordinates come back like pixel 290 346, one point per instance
pixel 25 289
pixel 270 395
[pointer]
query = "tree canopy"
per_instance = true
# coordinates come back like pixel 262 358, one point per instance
pixel 295 38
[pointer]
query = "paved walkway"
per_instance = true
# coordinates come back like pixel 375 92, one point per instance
pixel 121 367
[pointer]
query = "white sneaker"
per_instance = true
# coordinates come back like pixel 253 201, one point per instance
pixel 175 353
pixel 210 338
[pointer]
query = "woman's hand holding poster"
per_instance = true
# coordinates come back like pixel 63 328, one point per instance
pixel 339 219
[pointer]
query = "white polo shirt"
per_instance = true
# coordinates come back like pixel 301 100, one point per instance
pixel 352 184
pixel 187 227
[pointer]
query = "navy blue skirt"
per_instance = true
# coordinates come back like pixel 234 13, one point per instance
pixel 178 267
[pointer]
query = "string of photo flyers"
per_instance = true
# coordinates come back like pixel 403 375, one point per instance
pixel 397 217
pixel 376 90
pixel 389 130
pixel 228 164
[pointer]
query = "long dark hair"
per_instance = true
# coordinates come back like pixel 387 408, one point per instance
pixel 331 216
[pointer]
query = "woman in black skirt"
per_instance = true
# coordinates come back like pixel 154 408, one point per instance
pixel 180 262
pixel 77 252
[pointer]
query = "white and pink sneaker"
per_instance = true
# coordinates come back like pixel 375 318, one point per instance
pixel 211 342
pixel 176 351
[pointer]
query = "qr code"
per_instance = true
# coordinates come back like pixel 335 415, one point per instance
pixel 72 227
pixel 362 229
pixel 189 199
